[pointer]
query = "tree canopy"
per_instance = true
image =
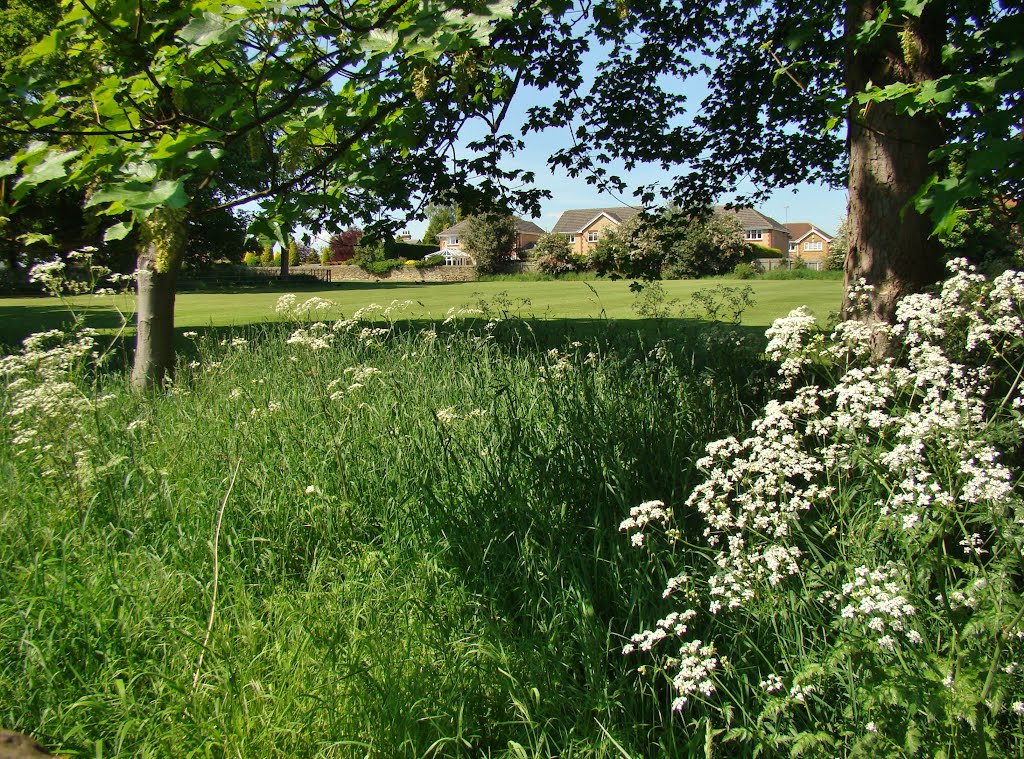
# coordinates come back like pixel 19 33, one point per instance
pixel 928 92
pixel 314 113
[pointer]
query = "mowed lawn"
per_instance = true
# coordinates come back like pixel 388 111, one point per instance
pixel 593 299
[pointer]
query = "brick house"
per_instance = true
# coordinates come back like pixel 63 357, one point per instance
pixel 760 229
pixel 809 243
pixel 527 233
pixel 583 227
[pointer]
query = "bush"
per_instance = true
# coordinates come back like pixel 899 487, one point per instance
pixel 744 271
pixel 251 259
pixel 409 250
pixel 381 267
pixel 701 247
pixel 435 259
pixel 763 251
pixel 555 256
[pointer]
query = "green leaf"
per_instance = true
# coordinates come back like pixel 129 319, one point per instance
pixel 209 29
pixel 137 196
pixel 50 168
pixel 8 166
pixel 33 237
pixel 119 231
pixel 378 39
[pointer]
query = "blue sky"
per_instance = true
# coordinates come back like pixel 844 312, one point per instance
pixel 817 204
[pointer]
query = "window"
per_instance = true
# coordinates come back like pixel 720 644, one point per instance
pixel 591 236
pixel 453 239
pixel 793 247
pixel 755 234
pixel 813 246
pixel 571 238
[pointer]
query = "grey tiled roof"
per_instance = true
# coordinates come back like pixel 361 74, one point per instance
pixel 576 219
pixel 751 219
pixel 523 227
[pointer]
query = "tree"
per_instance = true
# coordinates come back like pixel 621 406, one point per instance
pixel 441 217
pixel 917 83
pixel 342 246
pixel 701 246
pixel 339 107
pixel 490 238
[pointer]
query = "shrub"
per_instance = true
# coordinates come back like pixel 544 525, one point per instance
pixel 409 250
pixel 859 569
pixel 701 247
pixel 267 256
pixel 435 259
pixel 381 267
pixel 555 256
pixel 744 270
pixel 251 259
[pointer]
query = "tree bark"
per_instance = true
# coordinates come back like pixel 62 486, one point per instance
pixel 890 242
pixel 157 271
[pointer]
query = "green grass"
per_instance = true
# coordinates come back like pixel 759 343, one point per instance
pixel 540 299
pixel 425 565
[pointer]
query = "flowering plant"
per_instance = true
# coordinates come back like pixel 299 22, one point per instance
pixel 852 568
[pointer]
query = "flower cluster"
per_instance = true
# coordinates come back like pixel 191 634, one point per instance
pixel 288 307
pixel 49 412
pixel 876 601
pixel 884 450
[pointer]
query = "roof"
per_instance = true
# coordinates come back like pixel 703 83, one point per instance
pixel 523 227
pixel 578 219
pixel 798 230
pixel 752 219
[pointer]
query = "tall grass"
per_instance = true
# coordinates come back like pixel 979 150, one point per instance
pixel 399 544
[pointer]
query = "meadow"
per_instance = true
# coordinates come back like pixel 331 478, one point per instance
pixel 359 534
pixel 400 544
pixel 593 299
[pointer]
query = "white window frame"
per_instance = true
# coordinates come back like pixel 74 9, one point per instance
pixel 453 239
pixel 592 236
pixel 571 238
pixel 755 234
pixel 814 246
pixel 794 247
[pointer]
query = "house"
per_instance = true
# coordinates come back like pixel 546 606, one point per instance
pixel 583 227
pixel 809 243
pixel 527 234
pixel 759 229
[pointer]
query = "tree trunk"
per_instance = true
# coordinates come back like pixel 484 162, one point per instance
pixel 890 243
pixel 157 271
